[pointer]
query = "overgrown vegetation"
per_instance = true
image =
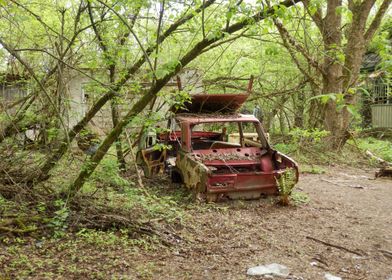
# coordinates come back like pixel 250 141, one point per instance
pixel 381 148
pixel 82 80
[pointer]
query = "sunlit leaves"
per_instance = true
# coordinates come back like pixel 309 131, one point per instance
pixel 167 68
pixel 345 12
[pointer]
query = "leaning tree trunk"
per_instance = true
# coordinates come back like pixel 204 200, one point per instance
pixel 115 120
pixel 51 162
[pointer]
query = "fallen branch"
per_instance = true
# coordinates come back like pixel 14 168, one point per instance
pixel 331 182
pixel 378 159
pixel 342 185
pixel 335 246
pixel 386 253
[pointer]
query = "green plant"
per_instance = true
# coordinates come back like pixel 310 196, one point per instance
pixel 286 182
pixel 146 271
pixel 107 173
pixel 300 198
pixel 59 221
pixel 306 145
pixel 381 148
pixel 312 169
pixel 307 136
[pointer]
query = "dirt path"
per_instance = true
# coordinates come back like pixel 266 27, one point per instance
pixel 347 209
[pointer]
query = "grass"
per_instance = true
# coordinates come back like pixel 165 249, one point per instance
pixel 313 154
pixel 312 169
pixel 88 254
pixel 299 198
pixel 381 148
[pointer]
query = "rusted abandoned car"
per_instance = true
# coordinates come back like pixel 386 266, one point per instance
pixel 215 151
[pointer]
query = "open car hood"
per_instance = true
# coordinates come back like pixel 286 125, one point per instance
pixel 213 103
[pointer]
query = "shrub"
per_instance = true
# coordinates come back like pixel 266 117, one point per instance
pixel 286 182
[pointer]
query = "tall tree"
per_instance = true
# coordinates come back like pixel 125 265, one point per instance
pixel 346 30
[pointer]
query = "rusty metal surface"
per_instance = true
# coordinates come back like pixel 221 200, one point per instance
pixel 211 118
pixel 194 173
pixel 153 161
pixel 214 103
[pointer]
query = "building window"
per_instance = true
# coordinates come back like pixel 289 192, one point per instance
pixel 381 91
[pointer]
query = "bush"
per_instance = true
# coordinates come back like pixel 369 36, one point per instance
pixel 381 148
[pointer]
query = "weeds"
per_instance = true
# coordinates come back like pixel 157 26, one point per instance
pixel 312 169
pixel 311 150
pixel 59 221
pixel 300 198
pixel 381 148
pixel 286 182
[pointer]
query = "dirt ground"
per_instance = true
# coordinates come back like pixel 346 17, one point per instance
pixel 345 230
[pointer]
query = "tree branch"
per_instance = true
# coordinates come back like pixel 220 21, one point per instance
pixel 377 20
pixel 37 17
pixel 289 39
pixel 316 16
pixel 32 73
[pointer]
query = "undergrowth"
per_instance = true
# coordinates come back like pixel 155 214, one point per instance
pixel 310 149
pixel 108 201
pixel 381 148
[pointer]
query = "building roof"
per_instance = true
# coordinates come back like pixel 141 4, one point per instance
pixel 370 62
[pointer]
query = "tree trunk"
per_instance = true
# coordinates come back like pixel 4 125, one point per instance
pixel 344 77
pixel 332 76
pixel 299 109
pixel 115 120
pixel 282 125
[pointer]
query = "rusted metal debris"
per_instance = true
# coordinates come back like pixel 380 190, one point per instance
pixel 385 171
pixel 213 162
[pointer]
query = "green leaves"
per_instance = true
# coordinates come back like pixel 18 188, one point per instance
pixel 338 98
pixel 59 221
pixel 272 50
pixel 286 182
pixel 214 34
pixel 345 12
pixel 280 11
pixel 308 136
pixel 325 98
pixel 167 68
pixel 314 5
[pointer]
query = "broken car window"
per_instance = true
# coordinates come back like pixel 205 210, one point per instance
pixel 225 135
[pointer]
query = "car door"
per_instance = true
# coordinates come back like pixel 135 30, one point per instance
pixel 150 157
